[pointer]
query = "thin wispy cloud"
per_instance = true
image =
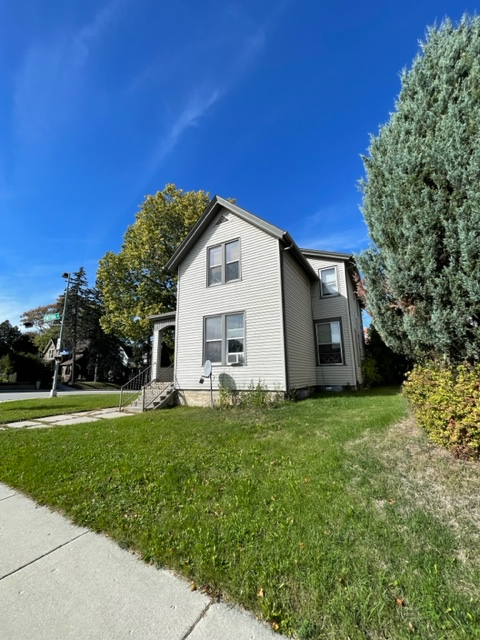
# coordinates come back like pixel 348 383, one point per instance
pixel 235 55
pixel 13 304
pixel 96 28
pixel 350 240
pixel 197 106
pixel 248 54
pixel 351 236
pixel 50 77
pixel 16 292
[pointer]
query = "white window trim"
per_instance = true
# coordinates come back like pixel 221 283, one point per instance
pixel 328 295
pixel 224 340
pixel 342 343
pixel 223 265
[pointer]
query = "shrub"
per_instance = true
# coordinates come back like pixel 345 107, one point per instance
pixel 254 396
pixel 6 368
pixel 24 367
pixel 371 377
pixel 381 364
pixel 446 402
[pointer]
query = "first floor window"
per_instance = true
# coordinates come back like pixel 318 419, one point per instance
pixel 329 342
pixel 225 339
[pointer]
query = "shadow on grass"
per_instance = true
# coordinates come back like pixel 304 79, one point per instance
pixel 393 390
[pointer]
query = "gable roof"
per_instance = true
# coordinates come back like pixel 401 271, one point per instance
pixel 215 205
pixel 51 343
pixel 318 253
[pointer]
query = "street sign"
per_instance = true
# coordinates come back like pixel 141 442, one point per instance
pixel 50 317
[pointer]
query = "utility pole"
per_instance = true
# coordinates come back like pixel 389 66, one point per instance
pixel 53 392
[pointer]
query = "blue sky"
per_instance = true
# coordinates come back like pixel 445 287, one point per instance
pixel 105 101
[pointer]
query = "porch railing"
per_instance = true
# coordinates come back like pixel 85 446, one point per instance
pixel 160 387
pixel 145 391
pixel 132 389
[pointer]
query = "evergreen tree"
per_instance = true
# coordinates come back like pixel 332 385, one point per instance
pixel 421 202
pixel 77 316
pixel 105 361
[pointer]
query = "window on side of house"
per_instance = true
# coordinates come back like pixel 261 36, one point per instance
pixel 329 342
pixel 225 339
pixel 223 263
pixel 328 282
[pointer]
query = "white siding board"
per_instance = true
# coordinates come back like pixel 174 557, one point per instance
pixel 158 326
pixel 155 351
pixel 334 307
pixel 299 328
pixel 357 329
pixel 257 294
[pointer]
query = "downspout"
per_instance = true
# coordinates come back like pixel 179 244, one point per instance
pixel 284 324
pixel 354 346
pixel 177 324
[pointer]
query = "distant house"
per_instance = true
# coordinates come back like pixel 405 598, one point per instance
pixel 259 308
pixel 50 352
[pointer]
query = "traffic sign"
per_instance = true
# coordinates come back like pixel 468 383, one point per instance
pixel 50 317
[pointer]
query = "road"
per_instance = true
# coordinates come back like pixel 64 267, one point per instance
pixel 8 395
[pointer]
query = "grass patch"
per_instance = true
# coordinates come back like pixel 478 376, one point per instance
pixel 320 516
pixel 40 407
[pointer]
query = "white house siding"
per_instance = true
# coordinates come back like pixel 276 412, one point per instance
pixel 155 345
pixel 158 326
pixel 257 294
pixel 357 329
pixel 299 328
pixel 332 308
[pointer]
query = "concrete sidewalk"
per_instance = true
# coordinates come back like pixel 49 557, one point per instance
pixel 67 419
pixel 59 581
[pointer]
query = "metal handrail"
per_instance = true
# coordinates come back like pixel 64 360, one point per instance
pixel 131 389
pixel 143 385
pixel 152 391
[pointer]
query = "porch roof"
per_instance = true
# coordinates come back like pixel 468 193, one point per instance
pixel 169 315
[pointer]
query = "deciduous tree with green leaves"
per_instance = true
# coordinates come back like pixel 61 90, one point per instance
pixel 421 202
pixel 9 338
pixel 134 282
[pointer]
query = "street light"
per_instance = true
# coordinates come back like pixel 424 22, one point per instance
pixel 53 392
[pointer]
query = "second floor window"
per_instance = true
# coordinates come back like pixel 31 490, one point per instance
pixel 328 282
pixel 223 263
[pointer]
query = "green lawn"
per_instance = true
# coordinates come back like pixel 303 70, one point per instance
pixel 331 518
pixel 41 407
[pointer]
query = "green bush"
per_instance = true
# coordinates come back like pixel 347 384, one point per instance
pixel 6 368
pixel 371 377
pixel 254 396
pixel 25 367
pixel 446 402
pixel 381 365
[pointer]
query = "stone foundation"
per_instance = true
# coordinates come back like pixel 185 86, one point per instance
pixel 196 398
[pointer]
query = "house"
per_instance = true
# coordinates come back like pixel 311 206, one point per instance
pixel 259 308
pixel 50 352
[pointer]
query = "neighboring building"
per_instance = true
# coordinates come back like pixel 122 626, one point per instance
pixel 50 352
pixel 260 309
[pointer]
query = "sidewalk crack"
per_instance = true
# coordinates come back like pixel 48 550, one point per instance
pixel 202 615
pixel 27 564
